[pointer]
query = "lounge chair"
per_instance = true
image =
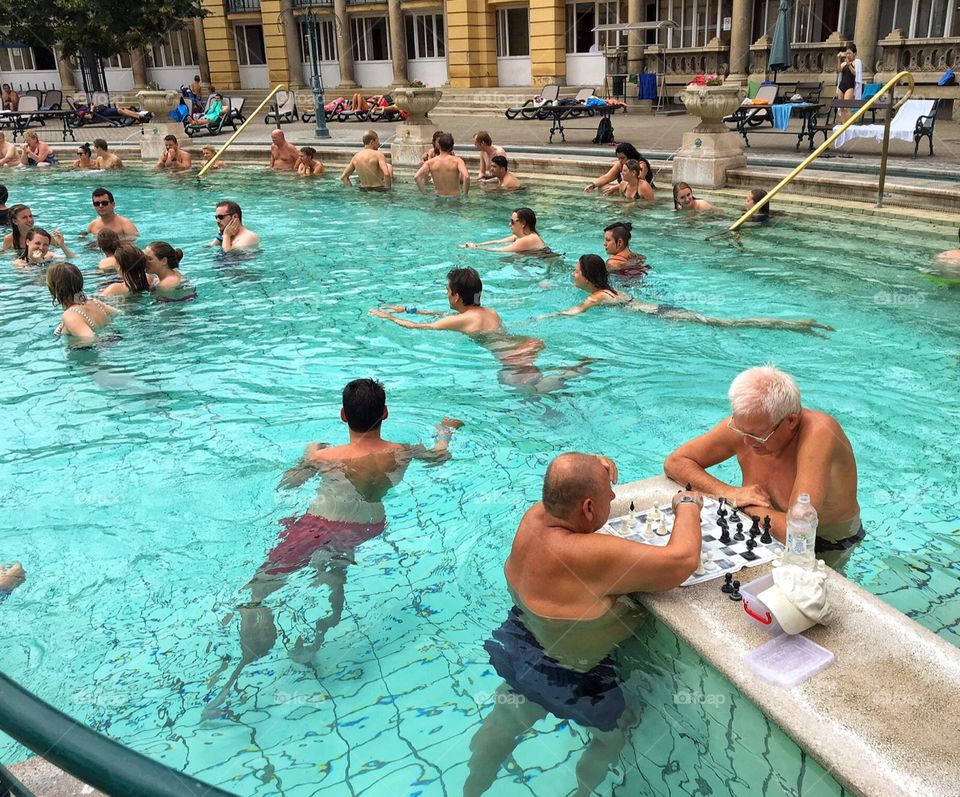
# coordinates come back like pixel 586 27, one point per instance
pixel 913 122
pixel 757 111
pixel 284 108
pixel 236 109
pixel 52 100
pixel 201 127
pixel 549 93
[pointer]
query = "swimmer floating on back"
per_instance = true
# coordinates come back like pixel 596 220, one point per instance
pixel 590 275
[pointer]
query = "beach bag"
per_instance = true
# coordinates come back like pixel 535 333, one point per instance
pixel 604 132
pixel 181 112
pixel 948 79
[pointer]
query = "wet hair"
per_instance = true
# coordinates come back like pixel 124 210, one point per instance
pixel 65 283
pixel 628 150
pixel 108 241
pixel 4 195
pixel 649 175
pixel 501 161
pixel 633 166
pixel 527 217
pixel 851 47
pixel 131 263
pixel 483 137
pixel 620 230
pixel 103 192
pixel 163 251
pixel 170 137
pixel 677 188
pixel 308 151
pixel 433 139
pixel 368 136
pixel 85 149
pixel 100 143
pixel 33 232
pixel 465 283
pixel 232 208
pixel 445 142
pixel 594 271
pixel 364 401
pixel 756 195
pixel 15 211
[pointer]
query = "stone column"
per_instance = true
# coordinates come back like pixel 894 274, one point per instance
pixel 68 82
pixel 291 34
pixel 865 35
pixel 740 40
pixel 471 44
pixel 635 38
pixel 344 45
pixel 398 43
pixel 203 62
pixel 138 65
pixel 548 45
pixel 220 47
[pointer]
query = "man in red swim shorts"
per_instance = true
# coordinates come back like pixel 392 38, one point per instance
pixel 347 511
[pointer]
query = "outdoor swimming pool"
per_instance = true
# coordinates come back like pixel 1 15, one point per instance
pixel 139 479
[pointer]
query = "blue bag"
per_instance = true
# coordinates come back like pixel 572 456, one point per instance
pixel 948 79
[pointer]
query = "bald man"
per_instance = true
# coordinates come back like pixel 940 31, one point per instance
pixel 284 156
pixel 553 650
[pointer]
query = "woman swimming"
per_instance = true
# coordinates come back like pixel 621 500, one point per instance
pixel 85 159
pixel 132 265
pixel 624 152
pixel 81 317
pixel 163 262
pixel 634 187
pixel 683 199
pixel 21 220
pixel 523 238
pixel 756 195
pixel 36 250
pixel 591 275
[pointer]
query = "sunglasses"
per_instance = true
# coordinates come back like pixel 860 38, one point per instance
pixel 760 440
pixel 101 204
pixel 221 216
pixel 514 221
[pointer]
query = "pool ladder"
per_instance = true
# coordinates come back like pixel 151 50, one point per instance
pixel 888 116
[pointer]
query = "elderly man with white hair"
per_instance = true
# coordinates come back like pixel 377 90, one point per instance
pixel 783 450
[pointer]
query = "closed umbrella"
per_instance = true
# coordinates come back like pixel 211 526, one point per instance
pixel 780 48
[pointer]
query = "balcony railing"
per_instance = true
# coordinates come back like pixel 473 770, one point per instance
pixel 235 6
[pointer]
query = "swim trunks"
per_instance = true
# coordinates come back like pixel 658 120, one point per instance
pixel 592 698
pixel 822 545
pixel 303 536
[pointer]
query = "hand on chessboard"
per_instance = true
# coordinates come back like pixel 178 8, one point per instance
pixel 750 495
pixel 697 498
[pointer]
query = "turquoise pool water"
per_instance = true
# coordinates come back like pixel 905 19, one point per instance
pixel 138 485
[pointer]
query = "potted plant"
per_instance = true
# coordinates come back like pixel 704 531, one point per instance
pixel 710 98
pixel 417 100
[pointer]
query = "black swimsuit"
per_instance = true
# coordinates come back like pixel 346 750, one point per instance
pixel 847 79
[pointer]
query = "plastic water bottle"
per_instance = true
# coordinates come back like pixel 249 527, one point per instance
pixel 801 534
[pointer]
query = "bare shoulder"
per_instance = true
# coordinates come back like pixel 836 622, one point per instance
pixel 820 427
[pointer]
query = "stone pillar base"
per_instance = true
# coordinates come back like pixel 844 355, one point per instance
pixel 409 144
pixel 151 140
pixel 704 158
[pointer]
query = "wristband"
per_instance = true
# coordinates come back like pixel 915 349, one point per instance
pixel 411 310
pixel 687 499
pixel 444 433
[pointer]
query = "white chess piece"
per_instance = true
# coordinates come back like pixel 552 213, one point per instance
pixel 656 514
pixel 709 564
pixel 648 528
pixel 624 529
pixel 700 568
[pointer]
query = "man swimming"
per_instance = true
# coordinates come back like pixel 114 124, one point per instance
pixel 783 450
pixel 347 511
pixel 449 172
pixel 517 354
pixel 284 156
pixel 503 180
pixel 105 158
pixel 556 651
pixel 108 218
pixel 232 235
pixel 371 166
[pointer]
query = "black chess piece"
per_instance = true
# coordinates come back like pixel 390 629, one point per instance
pixel 721 509
pixel 748 554
pixel 755 526
pixel 765 538
pixel 735 595
pixel 688 487
pixel 735 517
pixel 632 510
pixel 739 535
pixel 724 535
pixel 727 585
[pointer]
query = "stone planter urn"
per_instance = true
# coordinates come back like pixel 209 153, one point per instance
pixel 159 103
pixel 712 104
pixel 417 103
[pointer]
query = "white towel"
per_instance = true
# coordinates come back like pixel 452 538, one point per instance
pixel 902 126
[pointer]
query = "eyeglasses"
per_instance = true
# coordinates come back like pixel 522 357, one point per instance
pixel 221 216
pixel 101 204
pixel 759 440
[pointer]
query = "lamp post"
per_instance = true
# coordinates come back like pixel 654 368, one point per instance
pixel 316 78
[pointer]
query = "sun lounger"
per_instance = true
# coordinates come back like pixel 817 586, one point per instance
pixel 914 121
pixel 284 109
pixel 549 93
pixel 203 127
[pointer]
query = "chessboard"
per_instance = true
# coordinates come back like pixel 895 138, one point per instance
pixel 731 541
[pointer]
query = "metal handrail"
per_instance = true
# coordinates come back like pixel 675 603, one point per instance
pixel 888 86
pixel 89 756
pixel 238 131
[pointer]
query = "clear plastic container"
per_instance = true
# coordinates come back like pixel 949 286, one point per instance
pixel 788 660
pixel 755 608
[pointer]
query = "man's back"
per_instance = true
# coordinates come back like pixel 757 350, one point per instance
pixel 367 164
pixel 446 171
pixel 476 320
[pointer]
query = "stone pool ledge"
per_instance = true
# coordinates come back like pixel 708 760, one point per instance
pixel 883 719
